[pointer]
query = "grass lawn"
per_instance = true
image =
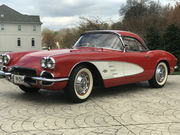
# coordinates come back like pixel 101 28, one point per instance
pixel 1 77
pixel 176 73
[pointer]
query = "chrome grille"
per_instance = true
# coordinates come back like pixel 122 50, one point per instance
pixel 27 72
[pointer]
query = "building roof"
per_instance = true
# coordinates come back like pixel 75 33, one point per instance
pixel 9 15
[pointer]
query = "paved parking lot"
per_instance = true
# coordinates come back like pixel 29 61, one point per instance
pixel 132 109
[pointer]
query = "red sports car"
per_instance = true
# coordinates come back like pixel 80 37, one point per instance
pixel 99 58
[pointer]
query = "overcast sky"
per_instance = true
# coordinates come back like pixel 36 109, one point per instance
pixel 57 14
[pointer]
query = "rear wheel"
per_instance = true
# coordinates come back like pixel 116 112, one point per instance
pixel 28 89
pixel 80 84
pixel 160 76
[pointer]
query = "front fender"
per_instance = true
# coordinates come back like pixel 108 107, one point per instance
pixel 66 63
pixel 16 56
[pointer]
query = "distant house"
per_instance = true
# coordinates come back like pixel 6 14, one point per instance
pixel 19 32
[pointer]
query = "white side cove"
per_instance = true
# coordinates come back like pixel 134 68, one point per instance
pixel 114 69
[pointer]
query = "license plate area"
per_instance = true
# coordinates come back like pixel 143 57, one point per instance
pixel 18 79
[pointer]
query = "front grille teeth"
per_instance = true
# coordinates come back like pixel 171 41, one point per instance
pixel 27 72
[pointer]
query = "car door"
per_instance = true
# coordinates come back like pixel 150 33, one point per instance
pixel 137 65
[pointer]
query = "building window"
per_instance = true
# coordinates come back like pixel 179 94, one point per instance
pixel 19 42
pixel 19 27
pixel 33 42
pixel 2 15
pixel 2 26
pixel 34 27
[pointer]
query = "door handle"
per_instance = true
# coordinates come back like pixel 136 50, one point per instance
pixel 147 56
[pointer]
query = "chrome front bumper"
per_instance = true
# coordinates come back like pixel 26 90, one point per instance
pixel 2 73
pixel 49 80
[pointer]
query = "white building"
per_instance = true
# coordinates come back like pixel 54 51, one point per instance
pixel 19 32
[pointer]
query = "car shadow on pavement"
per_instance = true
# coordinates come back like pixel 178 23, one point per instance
pixel 122 89
pixel 56 97
pixel 41 97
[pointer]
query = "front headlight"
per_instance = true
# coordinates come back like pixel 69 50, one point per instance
pixel 48 62
pixel 5 59
pixel 43 62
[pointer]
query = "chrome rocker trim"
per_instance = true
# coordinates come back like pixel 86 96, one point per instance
pixel 2 73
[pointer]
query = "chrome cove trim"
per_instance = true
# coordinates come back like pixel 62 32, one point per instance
pixel 116 69
pixel 113 69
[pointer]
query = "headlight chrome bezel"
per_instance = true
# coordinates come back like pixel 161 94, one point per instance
pixel 5 59
pixel 50 63
pixel 43 62
pixel 47 62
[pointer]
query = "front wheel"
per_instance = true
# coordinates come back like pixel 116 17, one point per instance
pixel 28 89
pixel 80 84
pixel 160 76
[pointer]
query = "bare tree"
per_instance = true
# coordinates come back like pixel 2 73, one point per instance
pixel 48 39
pixel 174 17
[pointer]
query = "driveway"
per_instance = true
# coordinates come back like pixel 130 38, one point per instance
pixel 126 110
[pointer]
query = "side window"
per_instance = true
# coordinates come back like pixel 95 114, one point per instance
pixel 140 46
pixel 132 44
pixel 117 44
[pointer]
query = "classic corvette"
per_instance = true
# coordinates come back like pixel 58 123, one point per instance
pixel 99 58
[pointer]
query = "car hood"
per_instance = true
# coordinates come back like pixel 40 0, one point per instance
pixel 33 59
pixel 51 53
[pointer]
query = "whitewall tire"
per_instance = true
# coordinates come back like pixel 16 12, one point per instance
pixel 80 84
pixel 160 76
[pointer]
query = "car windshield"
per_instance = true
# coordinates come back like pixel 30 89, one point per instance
pixel 101 40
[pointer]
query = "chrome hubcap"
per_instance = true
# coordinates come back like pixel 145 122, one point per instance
pixel 160 73
pixel 82 83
